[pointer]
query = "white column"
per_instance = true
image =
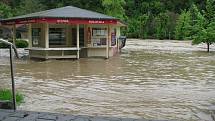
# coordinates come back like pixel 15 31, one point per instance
pixel 14 34
pixel 117 37
pixel 46 35
pixel 107 43
pixel 30 35
pixel 78 52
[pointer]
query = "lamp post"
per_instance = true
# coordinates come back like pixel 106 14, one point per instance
pixel 12 47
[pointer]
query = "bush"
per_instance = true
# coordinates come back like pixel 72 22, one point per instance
pixel 6 95
pixel 21 44
pixel 2 45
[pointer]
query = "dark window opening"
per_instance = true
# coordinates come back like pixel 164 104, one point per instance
pixel 81 37
pixel 57 36
pixel 36 32
pixel 1 33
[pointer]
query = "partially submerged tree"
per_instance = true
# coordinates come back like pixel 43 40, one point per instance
pixel 205 34
pixel 205 26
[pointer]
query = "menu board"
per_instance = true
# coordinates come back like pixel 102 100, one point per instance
pixel 99 32
pixel 36 36
pixel 113 39
pixel 99 37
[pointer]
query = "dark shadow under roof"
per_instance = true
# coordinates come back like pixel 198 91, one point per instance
pixel 64 12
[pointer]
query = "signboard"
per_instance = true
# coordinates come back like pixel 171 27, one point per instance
pixel 60 21
pixel 113 39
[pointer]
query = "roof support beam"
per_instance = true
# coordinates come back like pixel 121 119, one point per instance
pixel 78 52
pixel 46 35
pixel 30 35
pixel 107 42
pixel 14 34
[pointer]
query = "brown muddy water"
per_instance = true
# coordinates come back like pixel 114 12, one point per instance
pixel 150 79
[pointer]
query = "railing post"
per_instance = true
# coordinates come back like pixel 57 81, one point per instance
pixel 12 78
pixel 11 46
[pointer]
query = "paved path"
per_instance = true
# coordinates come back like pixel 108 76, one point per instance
pixel 8 115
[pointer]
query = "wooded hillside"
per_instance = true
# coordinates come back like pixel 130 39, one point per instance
pixel 161 19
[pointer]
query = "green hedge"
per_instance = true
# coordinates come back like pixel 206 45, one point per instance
pixel 2 45
pixel 19 44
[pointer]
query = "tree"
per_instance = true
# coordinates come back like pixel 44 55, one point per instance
pixel 132 12
pixel 197 20
pixel 5 11
pixel 205 26
pixel 142 21
pixel 183 26
pixel 29 6
pixel 206 35
pixel 114 8
pixel 162 21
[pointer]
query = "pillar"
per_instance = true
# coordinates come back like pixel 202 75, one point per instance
pixel 107 42
pixel 14 34
pixel 117 37
pixel 30 35
pixel 78 51
pixel 46 35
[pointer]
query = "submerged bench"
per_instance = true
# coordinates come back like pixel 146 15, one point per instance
pixel 54 53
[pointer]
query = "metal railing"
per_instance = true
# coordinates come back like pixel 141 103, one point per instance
pixel 12 47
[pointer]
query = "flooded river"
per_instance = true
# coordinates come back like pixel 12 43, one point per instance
pixel 149 79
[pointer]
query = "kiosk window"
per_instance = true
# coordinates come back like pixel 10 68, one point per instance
pixel 57 36
pixel 36 32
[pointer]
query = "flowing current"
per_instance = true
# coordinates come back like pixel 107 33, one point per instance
pixel 150 79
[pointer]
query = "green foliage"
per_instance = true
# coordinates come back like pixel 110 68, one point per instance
pixel 21 43
pixel 183 27
pixel 114 8
pixel 2 45
pixel 206 35
pixel 210 10
pixel 138 28
pixel 29 6
pixel 5 11
pixel 197 20
pixel 144 17
pixel 143 20
pixel 6 95
pixel 161 25
pixel 205 26
pixel 133 29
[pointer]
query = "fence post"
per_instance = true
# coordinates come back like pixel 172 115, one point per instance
pixel 12 78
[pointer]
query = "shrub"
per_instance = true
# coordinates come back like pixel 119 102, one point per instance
pixel 6 95
pixel 21 44
pixel 2 45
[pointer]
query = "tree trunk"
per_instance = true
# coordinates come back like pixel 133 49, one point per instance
pixel 208 47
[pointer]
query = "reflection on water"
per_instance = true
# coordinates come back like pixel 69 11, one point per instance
pixel 150 79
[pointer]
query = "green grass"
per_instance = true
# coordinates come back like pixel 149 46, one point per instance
pixel 6 95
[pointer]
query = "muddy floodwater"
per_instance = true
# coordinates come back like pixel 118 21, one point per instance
pixel 150 79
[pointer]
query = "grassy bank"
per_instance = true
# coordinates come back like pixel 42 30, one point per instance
pixel 6 95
